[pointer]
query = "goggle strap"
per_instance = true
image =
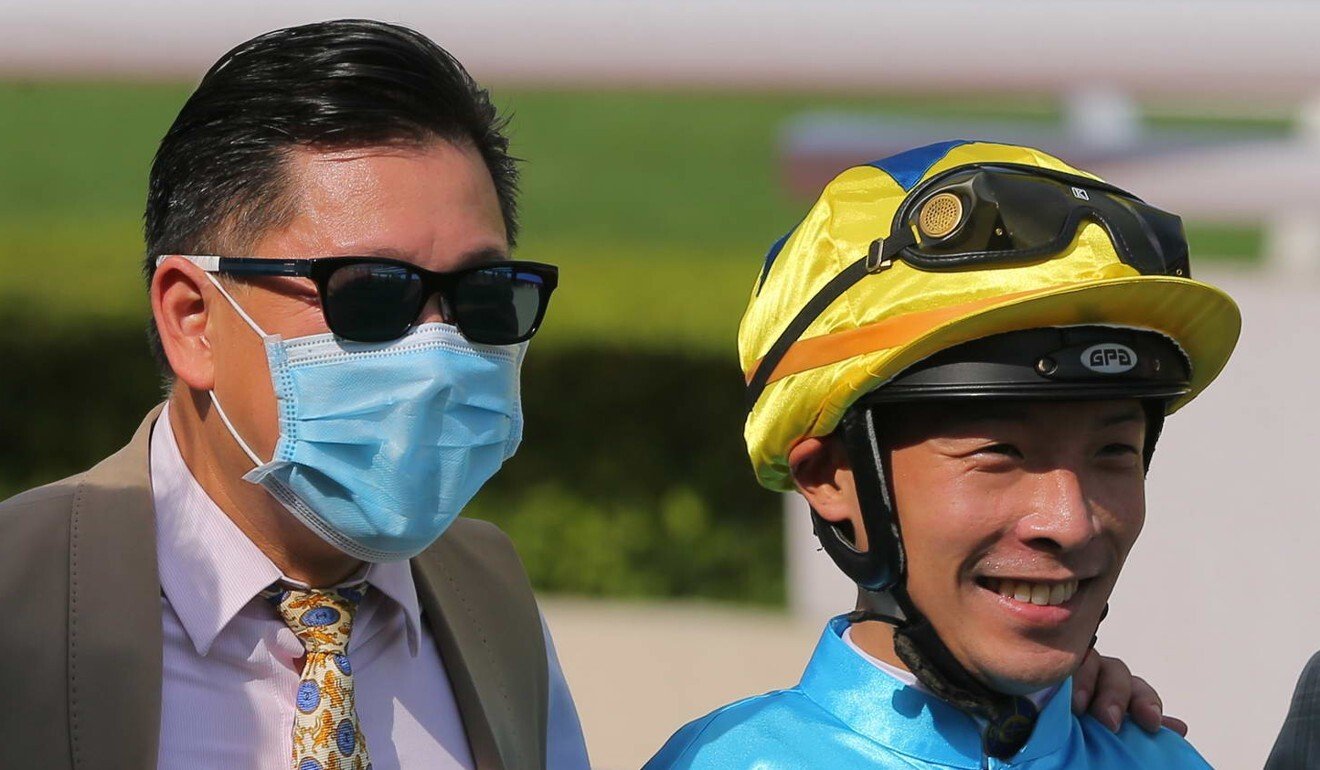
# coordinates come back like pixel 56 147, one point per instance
pixel 878 258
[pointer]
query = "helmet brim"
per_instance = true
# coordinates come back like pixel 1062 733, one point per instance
pixel 1202 320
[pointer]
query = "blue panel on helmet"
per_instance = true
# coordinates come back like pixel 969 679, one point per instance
pixel 775 248
pixel 908 167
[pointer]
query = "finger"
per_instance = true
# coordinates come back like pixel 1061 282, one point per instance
pixel 1084 681
pixel 1146 707
pixel 1175 724
pixel 1112 694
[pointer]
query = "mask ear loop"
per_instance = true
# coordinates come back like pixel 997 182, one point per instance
pixel 233 432
pixel 238 308
pixel 215 401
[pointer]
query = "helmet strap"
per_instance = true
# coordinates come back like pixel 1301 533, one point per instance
pixel 1007 720
pixel 1154 408
pixel 880 571
pixel 882 564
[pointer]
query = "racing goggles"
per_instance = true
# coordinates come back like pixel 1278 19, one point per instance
pixel 997 215
pixel 369 299
pixel 1000 215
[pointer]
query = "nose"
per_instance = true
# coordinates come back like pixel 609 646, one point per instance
pixel 1061 517
pixel 434 311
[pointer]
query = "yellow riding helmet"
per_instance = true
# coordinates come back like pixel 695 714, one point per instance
pixel 903 310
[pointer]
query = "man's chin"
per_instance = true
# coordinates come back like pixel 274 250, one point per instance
pixel 1026 673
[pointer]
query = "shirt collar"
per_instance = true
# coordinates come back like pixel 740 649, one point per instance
pixel 1037 698
pixel 904 718
pixel 395 580
pixel 210 570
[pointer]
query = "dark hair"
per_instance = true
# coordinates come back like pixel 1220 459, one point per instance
pixel 218 181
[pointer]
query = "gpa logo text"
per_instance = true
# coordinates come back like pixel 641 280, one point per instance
pixel 1109 358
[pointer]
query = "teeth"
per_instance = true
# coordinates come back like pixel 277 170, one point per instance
pixel 1051 594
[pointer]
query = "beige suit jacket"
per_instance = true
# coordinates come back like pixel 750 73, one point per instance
pixel 80 627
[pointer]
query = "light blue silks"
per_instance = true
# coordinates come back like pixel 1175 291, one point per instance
pixel 846 713
pixel 382 444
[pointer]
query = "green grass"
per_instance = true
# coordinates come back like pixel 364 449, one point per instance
pixel 658 206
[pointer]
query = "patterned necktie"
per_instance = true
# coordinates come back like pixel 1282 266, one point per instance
pixel 326 734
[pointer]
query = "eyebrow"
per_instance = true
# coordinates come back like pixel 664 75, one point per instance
pixel 990 413
pixel 483 254
pixel 1127 415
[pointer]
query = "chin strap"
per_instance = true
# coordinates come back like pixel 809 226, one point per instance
pixel 1006 721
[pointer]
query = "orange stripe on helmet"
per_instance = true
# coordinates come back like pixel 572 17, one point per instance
pixel 889 333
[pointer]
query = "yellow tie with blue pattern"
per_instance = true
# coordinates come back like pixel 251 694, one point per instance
pixel 326 734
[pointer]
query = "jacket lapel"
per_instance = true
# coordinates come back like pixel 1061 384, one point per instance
pixel 114 613
pixel 465 666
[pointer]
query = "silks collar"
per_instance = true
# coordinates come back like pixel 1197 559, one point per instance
pixel 907 720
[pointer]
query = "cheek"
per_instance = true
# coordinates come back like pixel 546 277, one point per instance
pixel 303 319
pixel 1122 507
pixel 243 381
pixel 948 517
pixel 289 314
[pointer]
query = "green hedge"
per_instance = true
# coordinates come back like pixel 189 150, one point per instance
pixel 631 480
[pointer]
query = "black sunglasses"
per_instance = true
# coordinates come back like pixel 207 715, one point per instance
pixel 370 299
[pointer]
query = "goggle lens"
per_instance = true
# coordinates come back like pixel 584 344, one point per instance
pixel 1007 216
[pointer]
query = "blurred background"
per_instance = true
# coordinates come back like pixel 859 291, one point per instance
pixel 666 146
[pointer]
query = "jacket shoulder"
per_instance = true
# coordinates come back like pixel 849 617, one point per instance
pixel 751 733
pixel 54 496
pixel 478 533
pixel 54 502
pixel 476 547
pixel 1305 706
pixel 38 510
pixel 34 544
pixel 1298 744
pixel 1134 747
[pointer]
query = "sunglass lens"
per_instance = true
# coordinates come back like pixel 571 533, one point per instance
pixel 372 301
pixel 498 305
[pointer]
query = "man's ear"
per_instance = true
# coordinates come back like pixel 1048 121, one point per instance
pixel 179 294
pixel 823 475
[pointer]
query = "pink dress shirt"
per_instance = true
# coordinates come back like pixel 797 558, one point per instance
pixel 231 666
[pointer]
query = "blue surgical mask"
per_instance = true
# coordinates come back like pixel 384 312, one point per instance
pixel 382 444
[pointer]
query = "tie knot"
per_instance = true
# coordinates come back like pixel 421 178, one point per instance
pixel 321 618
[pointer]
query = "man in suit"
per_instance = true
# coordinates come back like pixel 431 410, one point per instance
pixel 1298 744
pixel 270 574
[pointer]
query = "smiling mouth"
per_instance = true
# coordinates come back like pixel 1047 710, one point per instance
pixel 1044 594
